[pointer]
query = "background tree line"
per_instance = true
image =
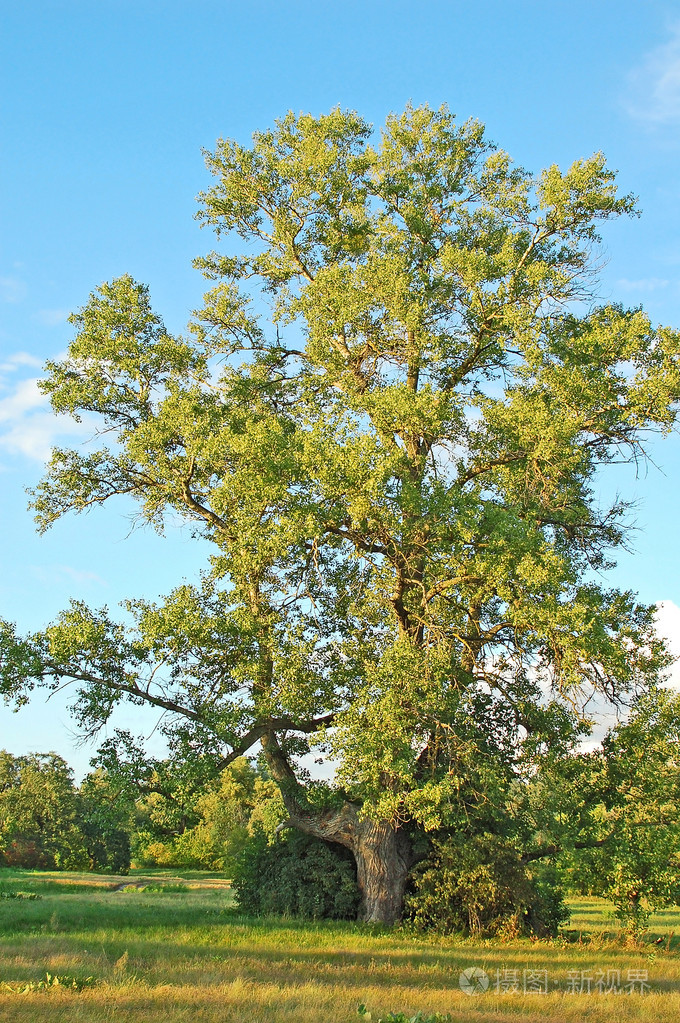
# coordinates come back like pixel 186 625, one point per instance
pixel 108 822
pixel 47 822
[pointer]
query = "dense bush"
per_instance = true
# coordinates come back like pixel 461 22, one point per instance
pixel 296 876
pixel 480 885
pixel 23 852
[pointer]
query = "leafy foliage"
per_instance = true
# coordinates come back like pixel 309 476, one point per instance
pixel 402 1017
pixel 51 980
pixel 225 816
pixel 297 876
pixel 630 791
pixel 106 820
pixel 47 823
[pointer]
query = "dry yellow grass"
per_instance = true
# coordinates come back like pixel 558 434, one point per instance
pixel 313 1002
pixel 175 956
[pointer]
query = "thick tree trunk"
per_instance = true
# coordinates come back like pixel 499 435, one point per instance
pixel 384 858
pixel 382 852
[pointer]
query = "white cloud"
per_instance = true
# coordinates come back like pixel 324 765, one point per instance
pixel 29 428
pixel 668 626
pixel 34 436
pixel 54 575
pixel 11 363
pixel 654 86
pixel 22 359
pixel 26 397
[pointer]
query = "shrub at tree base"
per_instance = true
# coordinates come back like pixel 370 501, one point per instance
pixel 297 876
pixel 481 886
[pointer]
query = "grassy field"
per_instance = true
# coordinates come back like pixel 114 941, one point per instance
pixel 158 947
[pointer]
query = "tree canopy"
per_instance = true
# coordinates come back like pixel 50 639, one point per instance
pixel 388 417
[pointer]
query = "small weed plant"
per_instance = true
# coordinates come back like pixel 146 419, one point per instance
pixel 401 1017
pixel 52 980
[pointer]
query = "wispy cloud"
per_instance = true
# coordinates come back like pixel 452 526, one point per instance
pixel 54 575
pixel 51 317
pixel 27 426
pixel 654 86
pixel 643 284
pixel 25 397
pixel 36 435
pixel 13 362
pixel 12 290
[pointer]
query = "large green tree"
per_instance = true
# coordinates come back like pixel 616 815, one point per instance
pixel 619 811
pixel 40 816
pixel 388 418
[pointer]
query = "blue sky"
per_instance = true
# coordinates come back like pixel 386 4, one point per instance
pixel 106 107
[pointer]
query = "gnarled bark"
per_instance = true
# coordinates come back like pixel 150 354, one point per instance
pixel 384 858
pixel 382 852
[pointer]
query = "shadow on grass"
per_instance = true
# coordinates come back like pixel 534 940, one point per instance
pixel 285 953
pixel 195 938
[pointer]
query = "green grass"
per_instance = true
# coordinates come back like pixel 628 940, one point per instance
pixel 596 917
pixel 164 956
